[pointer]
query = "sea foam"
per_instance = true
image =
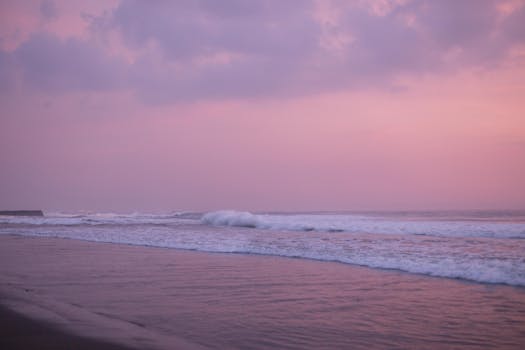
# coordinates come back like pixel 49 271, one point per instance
pixel 232 218
pixel 364 224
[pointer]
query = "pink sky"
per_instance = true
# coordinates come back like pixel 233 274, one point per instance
pixel 270 105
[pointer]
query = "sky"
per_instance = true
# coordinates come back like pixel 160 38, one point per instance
pixel 288 105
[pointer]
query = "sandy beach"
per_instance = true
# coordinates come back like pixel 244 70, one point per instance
pixel 19 333
pixel 157 298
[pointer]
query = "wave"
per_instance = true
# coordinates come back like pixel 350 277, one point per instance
pixel 232 218
pixel 317 222
pixel 365 224
pixel 73 219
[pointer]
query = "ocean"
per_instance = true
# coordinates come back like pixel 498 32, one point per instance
pixel 339 280
pixel 478 246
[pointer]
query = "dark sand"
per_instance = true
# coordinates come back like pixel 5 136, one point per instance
pixel 154 298
pixel 21 333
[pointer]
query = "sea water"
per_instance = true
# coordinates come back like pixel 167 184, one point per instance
pixel 478 246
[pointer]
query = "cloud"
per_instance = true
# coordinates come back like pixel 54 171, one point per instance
pixel 463 32
pixel 513 27
pixel 274 48
pixel 456 23
pixel 48 10
pixel 7 72
pixel 186 29
pixel 52 64
pixel 195 50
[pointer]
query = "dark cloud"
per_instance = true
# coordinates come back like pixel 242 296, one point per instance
pixel 207 49
pixel 262 48
pixel 452 23
pixel 280 50
pixel 7 72
pixel 255 77
pixel 386 45
pixel 48 10
pixel 49 63
pixel 185 29
pixel 471 28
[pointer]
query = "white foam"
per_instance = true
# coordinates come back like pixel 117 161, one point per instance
pixel 359 224
pixel 231 218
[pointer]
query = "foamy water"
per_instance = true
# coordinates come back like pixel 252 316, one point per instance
pixel 487 247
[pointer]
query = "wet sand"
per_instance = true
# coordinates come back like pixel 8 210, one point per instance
pixel 156 298
pixel 21 333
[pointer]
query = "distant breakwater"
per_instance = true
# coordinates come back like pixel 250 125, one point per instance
pixel 22 212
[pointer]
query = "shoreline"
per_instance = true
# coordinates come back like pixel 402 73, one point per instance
pixel 270 255
pixel 162 298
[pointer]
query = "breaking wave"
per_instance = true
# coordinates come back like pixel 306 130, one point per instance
pixel 365 224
